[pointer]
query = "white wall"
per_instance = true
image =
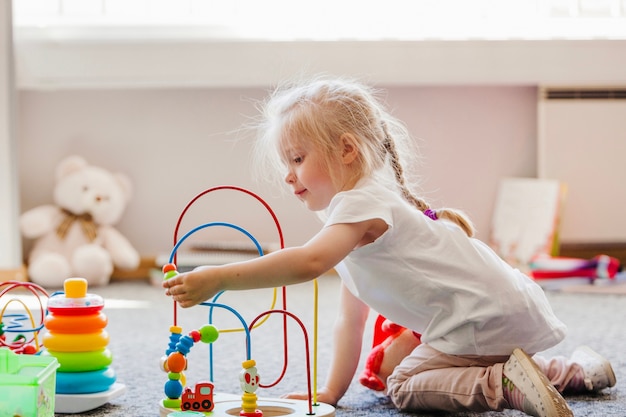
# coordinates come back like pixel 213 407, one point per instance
pixel 92 58
pixel 10 247
pixel 169 113
pixel 174 143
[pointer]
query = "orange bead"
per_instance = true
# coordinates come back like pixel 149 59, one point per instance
pixel 169 267
pixel 176 362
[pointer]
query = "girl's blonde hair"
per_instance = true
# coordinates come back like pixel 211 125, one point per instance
pixel 316 113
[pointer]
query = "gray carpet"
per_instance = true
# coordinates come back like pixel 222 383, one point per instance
pixel 140 333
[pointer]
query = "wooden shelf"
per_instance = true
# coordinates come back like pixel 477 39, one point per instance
pixel 589 250
pixel 141 273
pixel 16 274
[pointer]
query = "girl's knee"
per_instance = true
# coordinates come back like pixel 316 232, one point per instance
pixel 406 399
pixel 395 391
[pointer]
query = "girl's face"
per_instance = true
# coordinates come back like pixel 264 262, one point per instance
pixel 308 176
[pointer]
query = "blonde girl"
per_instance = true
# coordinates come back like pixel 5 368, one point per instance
pixel 480 319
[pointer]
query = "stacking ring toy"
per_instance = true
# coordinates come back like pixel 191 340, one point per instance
pixel 76 342
pixel 82 361
pixel 85 382
pixel 76 300
pixel 90 323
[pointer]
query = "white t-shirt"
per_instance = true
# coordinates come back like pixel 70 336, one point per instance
pixel 429 276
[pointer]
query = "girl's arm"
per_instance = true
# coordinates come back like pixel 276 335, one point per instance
pixel 348 340
pixel 284 267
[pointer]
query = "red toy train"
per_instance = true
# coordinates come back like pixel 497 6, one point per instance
pixel 198 399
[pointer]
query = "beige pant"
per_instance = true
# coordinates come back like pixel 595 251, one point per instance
pixel 428 379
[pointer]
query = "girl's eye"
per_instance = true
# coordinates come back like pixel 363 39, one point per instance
pixel 298 159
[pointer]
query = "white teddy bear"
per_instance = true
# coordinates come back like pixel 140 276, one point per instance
pixel 75 236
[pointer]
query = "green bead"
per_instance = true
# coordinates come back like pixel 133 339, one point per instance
pixel 171 402
pixel 209 333
pixel 170 274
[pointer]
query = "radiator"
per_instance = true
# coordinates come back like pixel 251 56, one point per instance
pixel 582 143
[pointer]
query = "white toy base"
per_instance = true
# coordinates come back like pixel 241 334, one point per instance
pixel 230 405
pixel 79 403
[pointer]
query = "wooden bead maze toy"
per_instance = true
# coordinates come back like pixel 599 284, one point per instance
pixel 202 398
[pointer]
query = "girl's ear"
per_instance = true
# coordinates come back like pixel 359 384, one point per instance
pixel 349 150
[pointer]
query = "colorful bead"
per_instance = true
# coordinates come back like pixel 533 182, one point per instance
pixel 170 274
pixel 172 403
pixel 173 389
pixel 174 338
pixel 195 335
pixel 176 362
pixel 163 364
pixel 209 333
pixel 184 345
pixel 168 267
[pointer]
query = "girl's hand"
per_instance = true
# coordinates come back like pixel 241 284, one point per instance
pixel 323 396
pixel 194 287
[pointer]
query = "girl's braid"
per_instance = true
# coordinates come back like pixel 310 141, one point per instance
pixel 445 213
pixel 398 171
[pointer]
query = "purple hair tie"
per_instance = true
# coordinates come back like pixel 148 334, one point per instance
pixel 431 214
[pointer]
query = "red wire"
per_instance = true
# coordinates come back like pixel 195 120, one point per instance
pixel 35 290
pixel 282 246
pixel 306 348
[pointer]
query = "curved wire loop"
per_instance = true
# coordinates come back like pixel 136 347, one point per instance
pixel 281 242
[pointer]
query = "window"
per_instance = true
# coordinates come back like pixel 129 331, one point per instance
pixel 328 19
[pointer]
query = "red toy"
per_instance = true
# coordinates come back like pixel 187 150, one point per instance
pixel 199 399
pixel 385 333
pixel 598 267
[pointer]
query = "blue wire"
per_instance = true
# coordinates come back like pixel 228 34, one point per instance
pixel 14 325
pixel 195 229
pixel 213 303
pixel 241 319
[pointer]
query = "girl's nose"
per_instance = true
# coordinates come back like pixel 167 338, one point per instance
pixel 290 178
